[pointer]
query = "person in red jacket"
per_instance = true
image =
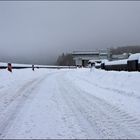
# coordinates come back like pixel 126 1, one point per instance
pixel 9 67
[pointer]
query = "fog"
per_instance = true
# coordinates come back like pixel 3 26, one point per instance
pixel 38 32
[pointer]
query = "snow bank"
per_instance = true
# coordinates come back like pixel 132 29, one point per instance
pixel 126 81
pixel 3 64
pixel 97 64
pixel 121 88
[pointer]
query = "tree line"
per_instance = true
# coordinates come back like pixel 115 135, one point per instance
pixel 67 59
pixel 126 49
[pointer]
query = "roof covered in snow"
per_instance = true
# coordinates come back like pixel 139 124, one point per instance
pixel 135 56
pixel 117 62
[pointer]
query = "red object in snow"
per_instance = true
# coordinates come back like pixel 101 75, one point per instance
pixel 9 67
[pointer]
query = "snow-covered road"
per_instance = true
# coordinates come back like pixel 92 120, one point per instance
pixel 69 104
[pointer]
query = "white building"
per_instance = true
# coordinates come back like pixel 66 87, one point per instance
pixel 82 57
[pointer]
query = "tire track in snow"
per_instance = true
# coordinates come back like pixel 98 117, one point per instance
pixel 109 121
pixel 85 126
pixel 118 91
pixel 16 103
pixel 67 117
pixel 129 125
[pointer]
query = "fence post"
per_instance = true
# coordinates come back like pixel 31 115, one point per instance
pixel 33 68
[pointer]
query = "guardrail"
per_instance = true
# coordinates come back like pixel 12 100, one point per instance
pixel 37 67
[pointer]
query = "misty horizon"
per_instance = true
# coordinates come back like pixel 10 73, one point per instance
pixel 38 32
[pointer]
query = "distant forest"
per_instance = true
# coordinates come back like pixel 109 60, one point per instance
pixel 67 59
pixel 127 49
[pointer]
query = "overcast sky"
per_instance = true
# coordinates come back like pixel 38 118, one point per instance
pixel 37 32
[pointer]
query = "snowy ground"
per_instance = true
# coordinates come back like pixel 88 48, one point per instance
pixel 80 103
